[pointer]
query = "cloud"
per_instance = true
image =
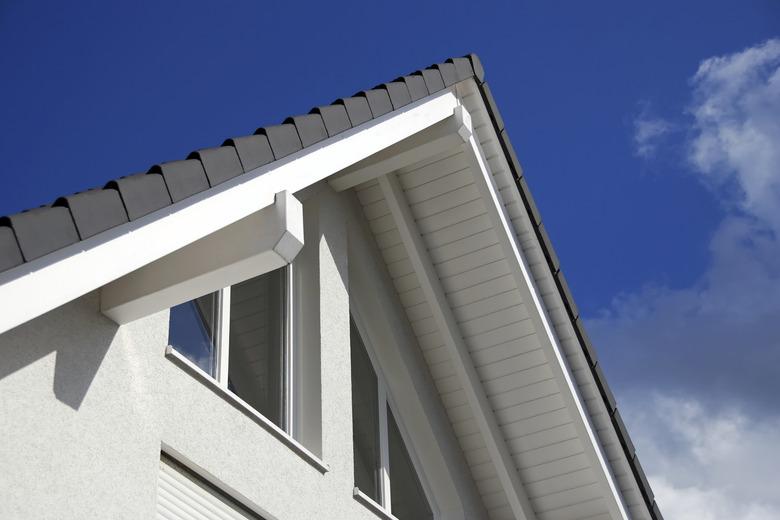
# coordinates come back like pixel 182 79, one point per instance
pixel 737 122
pixel 649 132
pixel 696 368
pixel 708 463
pixel 718 339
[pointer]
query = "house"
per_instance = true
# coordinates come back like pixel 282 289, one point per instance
pixel 355 314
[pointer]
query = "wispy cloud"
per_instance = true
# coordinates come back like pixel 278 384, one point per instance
pixel 729 317
pixel 649 131
pixel 716 343
pixel 708 464
pixel 737 122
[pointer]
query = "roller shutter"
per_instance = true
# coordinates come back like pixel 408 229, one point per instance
pixel 182 495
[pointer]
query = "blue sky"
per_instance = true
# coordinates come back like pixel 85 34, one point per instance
pixel 666 222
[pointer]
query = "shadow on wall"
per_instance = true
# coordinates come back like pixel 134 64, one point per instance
pixel 77 333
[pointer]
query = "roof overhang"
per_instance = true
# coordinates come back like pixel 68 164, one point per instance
pixel 456 134
pixel 162 259
pixel 70 272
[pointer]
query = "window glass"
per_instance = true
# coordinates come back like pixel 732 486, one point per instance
pixel 406 492
pixel 256 360
pixel 192 330
pixel 365 418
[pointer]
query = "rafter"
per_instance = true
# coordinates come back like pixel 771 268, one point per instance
pixel 464 367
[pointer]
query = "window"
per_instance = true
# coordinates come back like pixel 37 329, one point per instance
pixel 240 336
pixel 384 471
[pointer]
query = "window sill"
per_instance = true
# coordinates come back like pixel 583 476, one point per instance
pixel 188 366
pixel 367 501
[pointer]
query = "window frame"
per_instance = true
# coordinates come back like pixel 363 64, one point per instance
pixel 385 401
pixel 221 346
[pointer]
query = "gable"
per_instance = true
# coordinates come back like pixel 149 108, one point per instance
pixel 518 299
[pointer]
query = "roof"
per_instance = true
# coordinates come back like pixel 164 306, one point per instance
pixel 34 233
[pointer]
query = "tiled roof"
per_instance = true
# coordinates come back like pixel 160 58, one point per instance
pixel 36 232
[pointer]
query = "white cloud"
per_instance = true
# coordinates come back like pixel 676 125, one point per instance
pixel 737 123
pixel 713 453
pixel 649 131
pixel 729 317
pixel 707 464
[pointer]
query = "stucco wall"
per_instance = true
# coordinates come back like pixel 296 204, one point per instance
pixel 85 407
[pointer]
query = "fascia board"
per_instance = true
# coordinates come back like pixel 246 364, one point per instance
pixel 41 285
pixel 542 323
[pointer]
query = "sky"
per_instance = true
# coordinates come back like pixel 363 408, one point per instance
pixel 649 134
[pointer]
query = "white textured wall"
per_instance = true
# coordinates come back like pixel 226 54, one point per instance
pixel 85 407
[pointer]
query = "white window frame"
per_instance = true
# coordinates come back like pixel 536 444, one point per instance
pixel 221 345
pixel 385 401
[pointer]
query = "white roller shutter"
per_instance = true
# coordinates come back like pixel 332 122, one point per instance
pixel 183 496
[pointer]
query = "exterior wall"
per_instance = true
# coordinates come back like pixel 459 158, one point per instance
pixel 86 407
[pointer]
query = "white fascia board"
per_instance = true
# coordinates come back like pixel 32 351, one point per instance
pixel 41 285
pixel 439 138
pixel 265 240
pixel 542 323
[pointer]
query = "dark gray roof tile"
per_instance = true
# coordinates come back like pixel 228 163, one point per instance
pixel 415 84
pixel 549 252
pixel 463 69
pixel 568 299
pixel 311 128
pixel 525 192
pixel 399 94
pixel 433 80
pixel 141 193
pixel 640 473
pixel 183 178
pixel 220 163
pixel 448 73
pixel 95 210
pixel 335 118
pixel 590 350
pixel 43 230
pixel 625 438
pixel 476 65
pixel 506 145
pixel 487 95
pixel 357 109
pixel 606 392
pixel 253 151
pixel 655 510
pixel 378 101
pixel 283 139
pixel 10 254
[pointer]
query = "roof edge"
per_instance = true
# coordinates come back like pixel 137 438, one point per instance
pixel 568 300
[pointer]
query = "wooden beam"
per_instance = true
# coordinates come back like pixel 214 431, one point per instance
pixel 257 244
pixel 437 139
pixel 459 354
pixel 542 323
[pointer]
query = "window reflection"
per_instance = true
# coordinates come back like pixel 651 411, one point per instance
pixel 365 418
pixel 192 329
pixel 256 364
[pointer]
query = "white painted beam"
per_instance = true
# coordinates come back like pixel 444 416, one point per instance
pixel 439 138
pixel 41 285
pixel 257 244
pixel 542 323
pixel 459 354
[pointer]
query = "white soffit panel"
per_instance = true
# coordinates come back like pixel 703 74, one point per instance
pixel 553 304
pixel 522 367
